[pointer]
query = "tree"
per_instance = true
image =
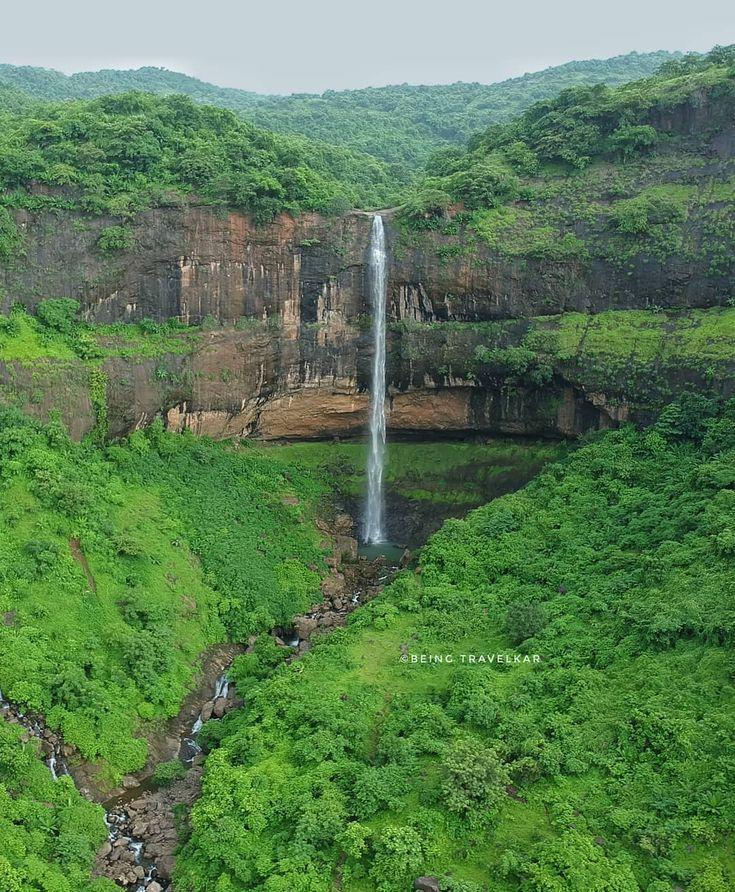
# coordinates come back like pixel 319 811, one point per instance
pixel 398 860
pixel 474 776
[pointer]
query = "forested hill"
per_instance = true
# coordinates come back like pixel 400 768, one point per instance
pixel 121 154
pixel 599 174
pixel 401 124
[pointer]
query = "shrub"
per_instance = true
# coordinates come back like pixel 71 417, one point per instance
pixel 58 314
pixel 10 236
pixel 398 860
pixel 630 139
pixel 636 216
pixel 115 238
pixel 168 772
pixel 488 183
pixel 426 204
pixel 523 620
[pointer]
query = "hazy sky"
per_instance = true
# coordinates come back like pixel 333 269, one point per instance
pixel 284 46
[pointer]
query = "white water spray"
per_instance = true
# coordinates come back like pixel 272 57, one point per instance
pixel 378 290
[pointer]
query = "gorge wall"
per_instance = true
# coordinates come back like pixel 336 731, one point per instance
pixel 285 350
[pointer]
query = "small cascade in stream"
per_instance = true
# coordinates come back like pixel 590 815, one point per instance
pixel 373 529
pixel 51 745
pixel 118 821
pixel 53 750
pixel 190 748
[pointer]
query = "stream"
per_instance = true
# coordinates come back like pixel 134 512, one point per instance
pixel 54 752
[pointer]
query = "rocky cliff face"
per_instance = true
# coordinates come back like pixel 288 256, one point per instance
pixel 194 262
pixel 293 358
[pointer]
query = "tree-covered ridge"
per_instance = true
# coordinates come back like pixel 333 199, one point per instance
pixel 604 767
pixel 599 173
pixel 119 154
pixel 400 124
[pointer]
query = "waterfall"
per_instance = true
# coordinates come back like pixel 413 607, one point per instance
pixel 378 289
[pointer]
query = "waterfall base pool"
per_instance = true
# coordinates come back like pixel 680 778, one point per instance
pixel 426 481
pixel 391 551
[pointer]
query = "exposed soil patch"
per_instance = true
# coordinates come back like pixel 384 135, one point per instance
pixel 75 546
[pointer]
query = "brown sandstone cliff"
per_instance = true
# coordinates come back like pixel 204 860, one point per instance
pixel 293 359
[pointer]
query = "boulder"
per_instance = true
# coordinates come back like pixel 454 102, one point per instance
pixel 207 710
pixel 333 586
pixel 426 884
pixel 219 707
pixel 304 626
pixel 343 524
pixel 345 548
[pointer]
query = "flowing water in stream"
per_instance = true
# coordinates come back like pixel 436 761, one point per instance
pixel 116 818
pixel 374 531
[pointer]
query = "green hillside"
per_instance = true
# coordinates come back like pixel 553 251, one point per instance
pixel 400 124
pixel 598 174
pixel 600 760
pixel 120 154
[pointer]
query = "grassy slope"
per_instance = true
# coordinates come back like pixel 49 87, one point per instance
pixel 448 471
pixel 155 549
pixel 616 567
pixel 28 339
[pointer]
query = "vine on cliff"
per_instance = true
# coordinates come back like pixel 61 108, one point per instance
pixel 98 398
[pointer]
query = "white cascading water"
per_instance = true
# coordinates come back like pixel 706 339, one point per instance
pixel 374 532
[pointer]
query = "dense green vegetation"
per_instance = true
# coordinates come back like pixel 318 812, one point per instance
pixel 587 175
pixel 48 832
pixel 604 767
pixel 57 333
pixel 112 535
pixel 400 124
pixel 119 154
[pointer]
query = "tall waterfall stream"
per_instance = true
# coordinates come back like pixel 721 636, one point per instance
pixel 377 269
